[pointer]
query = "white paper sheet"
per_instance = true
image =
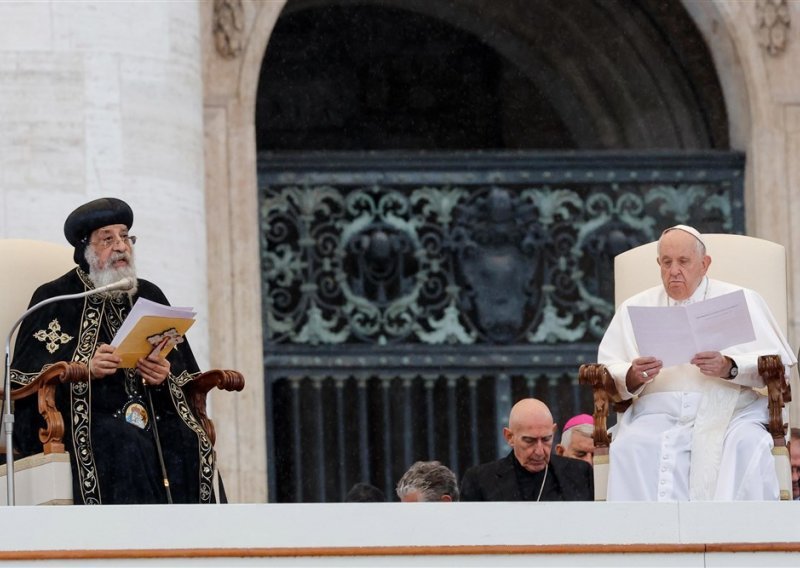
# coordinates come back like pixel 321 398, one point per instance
pixel 675 334
pixel 144 307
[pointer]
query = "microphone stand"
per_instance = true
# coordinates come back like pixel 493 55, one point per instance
pixel 159 451
pixel 8 414
pixel 152 409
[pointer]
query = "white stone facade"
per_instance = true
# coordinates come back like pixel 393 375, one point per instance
pixel 105 99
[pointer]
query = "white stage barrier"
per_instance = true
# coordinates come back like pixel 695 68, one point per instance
pixel 406 534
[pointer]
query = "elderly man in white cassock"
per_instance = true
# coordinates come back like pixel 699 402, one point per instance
pixel 696 430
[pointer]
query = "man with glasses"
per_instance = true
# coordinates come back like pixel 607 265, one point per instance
pixel 111 433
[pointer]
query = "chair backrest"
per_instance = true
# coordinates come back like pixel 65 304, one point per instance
pixel 746 261
pixel 24 266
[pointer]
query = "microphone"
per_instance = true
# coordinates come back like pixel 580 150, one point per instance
pixel 125 284
pixel 8 416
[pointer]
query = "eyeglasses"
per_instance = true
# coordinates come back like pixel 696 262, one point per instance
pixel 110 241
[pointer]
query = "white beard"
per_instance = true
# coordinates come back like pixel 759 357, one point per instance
pixel 104 275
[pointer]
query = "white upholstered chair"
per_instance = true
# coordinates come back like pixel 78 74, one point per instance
pixel 46 478
pixel 747 261
pixel 43 478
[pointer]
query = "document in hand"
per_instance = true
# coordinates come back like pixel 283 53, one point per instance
pixel 675 334
pixel 148 326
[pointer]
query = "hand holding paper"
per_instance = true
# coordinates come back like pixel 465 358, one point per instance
pixel 159 347
pixel 675 334
pixel 711 363
pixel 153 369
pixel 150 330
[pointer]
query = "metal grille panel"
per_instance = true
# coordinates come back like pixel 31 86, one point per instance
pixel 410 299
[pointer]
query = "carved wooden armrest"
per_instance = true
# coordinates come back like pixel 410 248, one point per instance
pixel 771 369
pixel 199 387
pixel 605 393
pixel 52 435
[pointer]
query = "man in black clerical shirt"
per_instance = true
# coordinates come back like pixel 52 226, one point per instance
pixel 530 472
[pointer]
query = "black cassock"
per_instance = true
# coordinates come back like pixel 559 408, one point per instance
pixel 113 460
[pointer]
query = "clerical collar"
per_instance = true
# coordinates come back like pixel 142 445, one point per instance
pixel 532 485
pixel 522 470
pixel 700 294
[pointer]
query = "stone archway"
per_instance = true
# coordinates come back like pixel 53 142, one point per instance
pixel 348 76
pixel 756 120
pixel 230 95
pixel 232 228
pixel 764 128
pixel 607 75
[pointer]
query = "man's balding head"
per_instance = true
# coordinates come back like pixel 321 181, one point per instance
pixel 530 433
pixel 529 409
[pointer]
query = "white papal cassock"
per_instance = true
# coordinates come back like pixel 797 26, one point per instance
pixel 689 436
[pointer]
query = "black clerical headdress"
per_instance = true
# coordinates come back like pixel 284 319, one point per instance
pixel 91 216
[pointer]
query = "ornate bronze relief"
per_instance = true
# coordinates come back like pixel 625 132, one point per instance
pixel 504 260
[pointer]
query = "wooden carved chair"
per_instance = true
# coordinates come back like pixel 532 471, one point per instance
pixel 46 478
pixel 747 261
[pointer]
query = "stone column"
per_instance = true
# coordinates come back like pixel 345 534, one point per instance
pixel 235 36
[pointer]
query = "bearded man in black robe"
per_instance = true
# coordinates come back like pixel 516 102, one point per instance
pixel 109 421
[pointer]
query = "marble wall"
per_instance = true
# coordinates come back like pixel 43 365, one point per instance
pixel 105 99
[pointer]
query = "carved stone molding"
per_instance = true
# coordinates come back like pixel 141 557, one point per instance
pixel 228 27
pixel 773 25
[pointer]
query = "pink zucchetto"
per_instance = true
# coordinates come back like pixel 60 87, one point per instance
pixel 578 420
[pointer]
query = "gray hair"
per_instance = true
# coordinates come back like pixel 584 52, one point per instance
pixel 585 429
pixel 431 479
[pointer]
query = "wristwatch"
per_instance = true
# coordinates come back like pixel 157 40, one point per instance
pixel 734 369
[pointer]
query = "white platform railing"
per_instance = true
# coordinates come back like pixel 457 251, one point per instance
pixel 399 534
